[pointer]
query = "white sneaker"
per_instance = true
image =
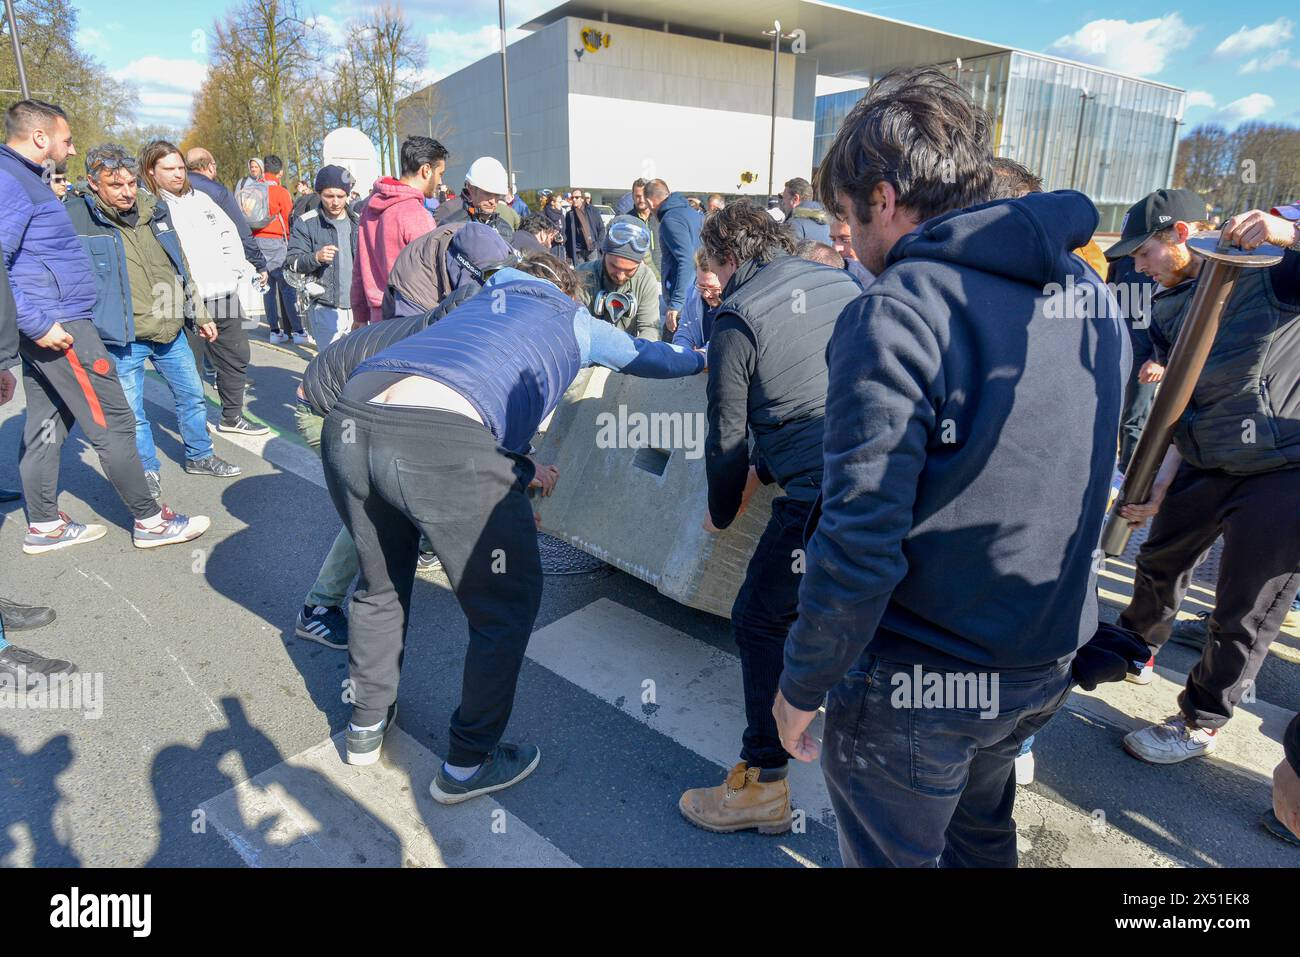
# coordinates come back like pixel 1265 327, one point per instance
pixel 1146 675
pixel 279 337
pixel 303 339
pixel 173 530
pixel 1170 742
pixel 1025 768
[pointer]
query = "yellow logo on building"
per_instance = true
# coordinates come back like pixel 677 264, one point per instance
pixel 593 39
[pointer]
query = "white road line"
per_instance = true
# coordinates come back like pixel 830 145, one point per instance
pixel 314 810
pixel 611 651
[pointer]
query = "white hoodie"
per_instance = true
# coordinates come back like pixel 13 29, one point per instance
pixel 210 241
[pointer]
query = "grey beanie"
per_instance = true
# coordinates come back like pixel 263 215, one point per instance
pixel 625 225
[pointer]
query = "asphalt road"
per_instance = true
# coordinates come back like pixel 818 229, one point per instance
pixel 213 747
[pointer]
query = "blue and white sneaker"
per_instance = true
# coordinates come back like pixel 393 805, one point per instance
pixel 173 530
pixel 323 624
pixel 67 534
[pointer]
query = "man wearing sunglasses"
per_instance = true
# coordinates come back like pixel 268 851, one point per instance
pixel 617 286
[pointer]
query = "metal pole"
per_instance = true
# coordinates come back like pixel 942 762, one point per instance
pixel 18 50
pixel 1219 272
pixel 505 98
pixel 776 59
pixel 1078 139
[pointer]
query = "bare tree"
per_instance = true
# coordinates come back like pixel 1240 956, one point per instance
pixel 389 57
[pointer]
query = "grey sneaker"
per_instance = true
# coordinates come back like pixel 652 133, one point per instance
pixel 154 481
pixel 508 764
pixel 212 465
pixel 173 530
pixel 1192 632
pixel 68 533
pixel 364 747
pixel 242 426
pixel 23 666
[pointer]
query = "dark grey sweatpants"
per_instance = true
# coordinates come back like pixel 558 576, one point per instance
pixel 79 386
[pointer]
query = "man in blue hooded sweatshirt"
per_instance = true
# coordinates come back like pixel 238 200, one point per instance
pixel 972 414
pixel 431 436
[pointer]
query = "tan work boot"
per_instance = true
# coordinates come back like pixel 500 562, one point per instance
pixel 740 803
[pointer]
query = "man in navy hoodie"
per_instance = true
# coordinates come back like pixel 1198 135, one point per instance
pixel 679 235
pixel 972 413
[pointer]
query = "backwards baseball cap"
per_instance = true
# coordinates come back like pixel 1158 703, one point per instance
pixel 1148 216
pixel 474 248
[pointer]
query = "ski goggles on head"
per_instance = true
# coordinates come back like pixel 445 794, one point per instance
pixel 628 234
pixel 616 305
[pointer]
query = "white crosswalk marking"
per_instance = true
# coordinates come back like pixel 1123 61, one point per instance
pixel 611 651
pixel 313 810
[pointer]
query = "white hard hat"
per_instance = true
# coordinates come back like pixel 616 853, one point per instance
pixel 489 175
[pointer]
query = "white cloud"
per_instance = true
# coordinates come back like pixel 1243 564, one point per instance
pixel 1139 48
pixel 1253 39
pixel 1200 98
pixel 91 40
pixel 1271 62
pixel 330 27
pixel 449 50
pixel 166 87
pixel 1250 107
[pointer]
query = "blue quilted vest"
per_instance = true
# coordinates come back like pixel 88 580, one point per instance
pixel 510 350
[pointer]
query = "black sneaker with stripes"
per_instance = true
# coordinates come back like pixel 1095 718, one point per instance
pixel 327 626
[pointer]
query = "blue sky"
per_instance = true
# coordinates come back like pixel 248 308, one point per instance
pixel 1238 62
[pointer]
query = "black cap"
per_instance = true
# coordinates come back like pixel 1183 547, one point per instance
pixel 1158 211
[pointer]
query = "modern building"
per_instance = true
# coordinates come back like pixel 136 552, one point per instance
pixel 604 91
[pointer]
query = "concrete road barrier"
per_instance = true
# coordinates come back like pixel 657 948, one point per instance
pixel 633 492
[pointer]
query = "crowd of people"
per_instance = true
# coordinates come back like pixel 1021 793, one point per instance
pixel 882 347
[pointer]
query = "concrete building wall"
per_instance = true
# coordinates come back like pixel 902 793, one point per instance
pixel 695 112
pixel 468 108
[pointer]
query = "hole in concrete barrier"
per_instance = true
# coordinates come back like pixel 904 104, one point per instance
pixel 654 461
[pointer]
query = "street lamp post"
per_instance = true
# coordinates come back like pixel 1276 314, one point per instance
pixel 777 37
pixel 505 97
pixel 18 50
pixel 1084 97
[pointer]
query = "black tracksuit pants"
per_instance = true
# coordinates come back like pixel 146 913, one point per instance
pixel 229 355
pixel 1259 518
pixel 79 386
pixel 397 471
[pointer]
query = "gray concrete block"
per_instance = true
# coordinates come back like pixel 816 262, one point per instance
pixel 639 503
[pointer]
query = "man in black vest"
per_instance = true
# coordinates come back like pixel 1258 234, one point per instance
pixel 1233 468
pixel 767 375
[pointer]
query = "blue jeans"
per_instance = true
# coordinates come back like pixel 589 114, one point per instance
pixel 930 786
pixel 175 363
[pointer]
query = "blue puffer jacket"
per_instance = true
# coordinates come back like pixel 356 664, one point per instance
pixel 48 269
pixel 514 366
pixel 679 234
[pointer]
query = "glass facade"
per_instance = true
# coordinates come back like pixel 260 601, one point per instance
pixel 1116 143
pixel 830 113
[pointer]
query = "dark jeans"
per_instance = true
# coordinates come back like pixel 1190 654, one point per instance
pixel 1259 572
pixel 764 610
pixel 285 318
pixel 397 471
pixel 929 787
pixel 1138 397
pixel 229 355
pixel 79 386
